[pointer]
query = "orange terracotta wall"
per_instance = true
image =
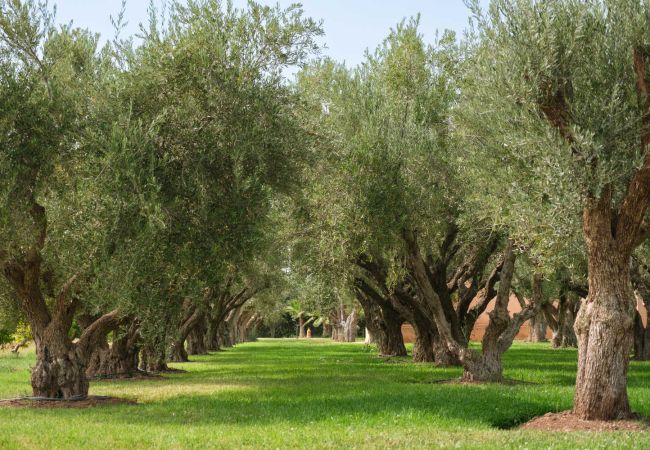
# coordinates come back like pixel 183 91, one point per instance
pixel 483 320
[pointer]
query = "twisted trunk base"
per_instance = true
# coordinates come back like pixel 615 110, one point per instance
pixel 60 372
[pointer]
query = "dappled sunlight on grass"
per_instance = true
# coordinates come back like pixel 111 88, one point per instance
pixel 289 393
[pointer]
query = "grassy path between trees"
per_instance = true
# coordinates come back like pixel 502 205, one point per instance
pixel 317 394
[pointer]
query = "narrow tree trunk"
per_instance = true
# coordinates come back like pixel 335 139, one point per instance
pixel 537 329
pixel 567 318
pixel 641 280
pixel 301 327
pixel 327 330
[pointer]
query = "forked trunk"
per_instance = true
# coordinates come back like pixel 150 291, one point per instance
pixel 120 359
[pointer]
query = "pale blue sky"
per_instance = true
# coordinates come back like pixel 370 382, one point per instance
pixel 351 26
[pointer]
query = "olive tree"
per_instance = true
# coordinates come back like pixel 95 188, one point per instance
pixel 557 103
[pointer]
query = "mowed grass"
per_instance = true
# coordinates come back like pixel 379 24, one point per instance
pixel 317 394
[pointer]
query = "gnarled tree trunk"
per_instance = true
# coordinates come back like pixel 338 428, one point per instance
pixel 605 322
pixel 120 359
pixel 383 322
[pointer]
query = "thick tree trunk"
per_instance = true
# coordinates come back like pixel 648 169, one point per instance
pixel 501 330
pixel 120 359
pixel 391 342
pixel 604 324
pixel 350 327
pixel 442 356
pixel 153 357
pixel 60 370
pixel 423 346
pixel 177 351
pixel 212 336
pixel 383 322
pixel 327 330
pixel 196 338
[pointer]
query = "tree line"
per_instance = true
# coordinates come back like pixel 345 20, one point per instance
pixel 172 191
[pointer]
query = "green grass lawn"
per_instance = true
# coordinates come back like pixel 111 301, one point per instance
pixel 315 394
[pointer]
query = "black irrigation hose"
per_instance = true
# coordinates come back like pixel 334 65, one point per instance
pixel 121 376
pixel 76 398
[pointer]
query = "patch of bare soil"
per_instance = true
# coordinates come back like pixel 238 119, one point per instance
pixel 565 421
pixel 89 402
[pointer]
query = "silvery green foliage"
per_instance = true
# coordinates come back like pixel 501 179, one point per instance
pixel 157 164
pixel 386 155
pixel 530 56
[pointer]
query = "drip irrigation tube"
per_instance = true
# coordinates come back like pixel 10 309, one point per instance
pixel 76 398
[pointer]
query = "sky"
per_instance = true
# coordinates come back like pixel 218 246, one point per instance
pixel 351 26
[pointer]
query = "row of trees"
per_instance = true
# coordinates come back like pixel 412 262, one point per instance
pixel 140 181
pixel 175 191
pixel 455 174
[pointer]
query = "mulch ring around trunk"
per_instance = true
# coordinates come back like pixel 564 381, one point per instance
pixel 89 402
pixel 566 421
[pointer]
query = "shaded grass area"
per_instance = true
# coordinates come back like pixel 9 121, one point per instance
pixel 317 394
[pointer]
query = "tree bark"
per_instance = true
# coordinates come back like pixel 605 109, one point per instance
pixel 537 328
pixel 301 327
pixel 641 280
pixel 120 359
pixel 485 366
pixel 423 346
pixel 604 323
pixel 191 317
pixel 154 357
pixel 196 338
pixel 383 322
